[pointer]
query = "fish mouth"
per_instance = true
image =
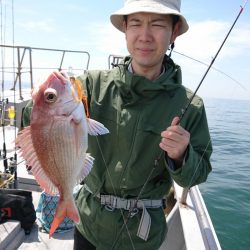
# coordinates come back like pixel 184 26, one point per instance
pixel 50 95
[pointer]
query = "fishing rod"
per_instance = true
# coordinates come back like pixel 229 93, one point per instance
pixel 13 162
pixel 3 102
pixel 183 112
pixel 4 106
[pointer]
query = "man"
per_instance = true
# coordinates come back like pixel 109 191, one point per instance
pixel 139 101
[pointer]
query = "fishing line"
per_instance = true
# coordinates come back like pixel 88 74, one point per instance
pixel 125 224
pixel 112 184
pixel 183 112
pixel 216 69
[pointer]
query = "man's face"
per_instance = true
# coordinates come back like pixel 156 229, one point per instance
pixel 148 37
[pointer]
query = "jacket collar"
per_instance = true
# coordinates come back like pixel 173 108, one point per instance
pixel 135 88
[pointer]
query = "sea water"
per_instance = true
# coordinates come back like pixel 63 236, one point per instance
pixel 227 190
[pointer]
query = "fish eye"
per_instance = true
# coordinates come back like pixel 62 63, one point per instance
pixel 50 95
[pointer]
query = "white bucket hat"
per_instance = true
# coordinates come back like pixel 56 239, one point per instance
pixel 166 7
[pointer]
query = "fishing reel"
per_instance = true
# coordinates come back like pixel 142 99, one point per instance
pixel 11 167
pixel 6 180
pixel 10 117
pixel 9 176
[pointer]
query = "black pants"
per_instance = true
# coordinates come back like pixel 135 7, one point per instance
pixel 80 243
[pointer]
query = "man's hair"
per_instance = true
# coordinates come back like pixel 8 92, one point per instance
pixel 175 19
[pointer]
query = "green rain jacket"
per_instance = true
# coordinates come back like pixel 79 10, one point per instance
pixel 136 111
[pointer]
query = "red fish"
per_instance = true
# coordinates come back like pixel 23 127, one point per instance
pixel 56 141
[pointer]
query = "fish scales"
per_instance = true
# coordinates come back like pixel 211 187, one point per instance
pixel 66 156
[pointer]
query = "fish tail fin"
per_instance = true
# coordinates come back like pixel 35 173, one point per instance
pixel 66 209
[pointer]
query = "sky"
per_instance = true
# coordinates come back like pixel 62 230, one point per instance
pixel 85 25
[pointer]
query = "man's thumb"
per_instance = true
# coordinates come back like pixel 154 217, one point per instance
pixel 175 121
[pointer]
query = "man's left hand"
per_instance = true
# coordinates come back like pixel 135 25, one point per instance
pixel 175 140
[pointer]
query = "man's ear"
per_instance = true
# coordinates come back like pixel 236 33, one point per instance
pixel 175 31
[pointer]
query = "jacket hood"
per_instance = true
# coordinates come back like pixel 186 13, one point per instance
pixel 133 87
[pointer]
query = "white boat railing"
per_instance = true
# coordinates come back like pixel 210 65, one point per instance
pixel 26 67
pixel 114 60
pixel 197 226
pixel 25 64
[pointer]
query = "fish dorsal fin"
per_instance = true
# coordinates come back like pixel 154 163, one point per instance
pixel 87 166
pixel 96 128
pixel 24 141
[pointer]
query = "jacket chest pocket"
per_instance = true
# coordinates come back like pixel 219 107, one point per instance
pixel 148 137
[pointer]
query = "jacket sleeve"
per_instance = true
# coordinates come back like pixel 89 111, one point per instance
pixel 196 166
pixel 27 113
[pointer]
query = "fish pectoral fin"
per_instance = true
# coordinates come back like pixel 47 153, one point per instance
pixel 64 209
pixel 96 128
pixel 87 166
